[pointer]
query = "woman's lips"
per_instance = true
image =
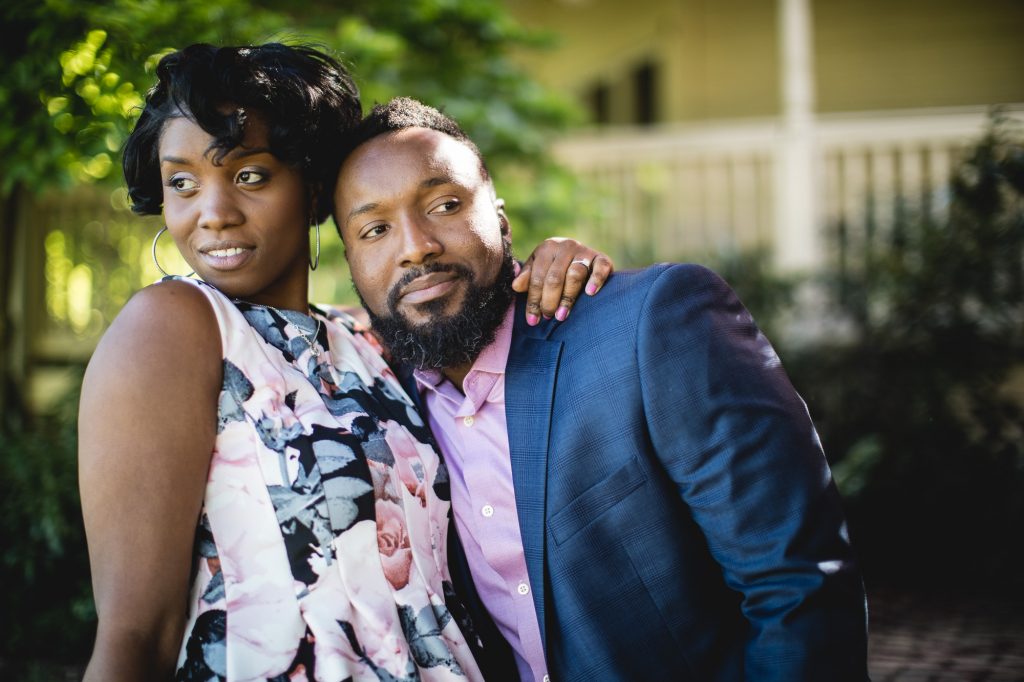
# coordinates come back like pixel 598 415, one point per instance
pixel 226 257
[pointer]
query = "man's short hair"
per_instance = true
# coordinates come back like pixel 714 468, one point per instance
pixel 405 112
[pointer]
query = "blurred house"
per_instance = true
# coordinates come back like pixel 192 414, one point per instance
pixel 802 127
pixel 798 126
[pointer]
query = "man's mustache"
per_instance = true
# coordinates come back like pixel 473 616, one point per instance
pixel 395 293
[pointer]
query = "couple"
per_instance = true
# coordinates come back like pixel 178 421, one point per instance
pixel 638 492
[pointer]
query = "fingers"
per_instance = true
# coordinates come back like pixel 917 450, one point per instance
pixel 556 274
pixel 564 283
pixel 535 293
pixel 600 271
pixel 522 279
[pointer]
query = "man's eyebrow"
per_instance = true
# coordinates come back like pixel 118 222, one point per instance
pixel 435 181
pixel 365 208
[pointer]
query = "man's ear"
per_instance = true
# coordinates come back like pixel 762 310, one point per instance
pixel 499 205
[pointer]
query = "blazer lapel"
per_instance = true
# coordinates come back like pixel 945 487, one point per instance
pixel 529 391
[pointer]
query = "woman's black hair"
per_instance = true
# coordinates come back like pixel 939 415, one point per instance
pixel 306 97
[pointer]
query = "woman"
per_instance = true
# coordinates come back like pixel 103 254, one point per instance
pixel 242 452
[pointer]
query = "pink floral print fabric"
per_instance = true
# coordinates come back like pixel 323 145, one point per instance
pixel 320 552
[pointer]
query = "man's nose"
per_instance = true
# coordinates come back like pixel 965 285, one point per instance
pixel 219 208
pixel 419 245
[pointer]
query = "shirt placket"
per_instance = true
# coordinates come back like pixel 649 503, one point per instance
pixel 500 550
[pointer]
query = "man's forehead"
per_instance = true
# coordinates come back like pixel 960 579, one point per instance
pixel 414 155
pixel 433 149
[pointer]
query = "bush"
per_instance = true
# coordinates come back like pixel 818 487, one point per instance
pixel 47 600
pixel 918 414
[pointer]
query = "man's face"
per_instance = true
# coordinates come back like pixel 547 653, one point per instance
pixel 425 239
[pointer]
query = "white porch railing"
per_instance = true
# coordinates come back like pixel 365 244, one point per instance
pixel 696 190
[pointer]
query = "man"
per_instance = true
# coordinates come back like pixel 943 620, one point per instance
pixel 639 491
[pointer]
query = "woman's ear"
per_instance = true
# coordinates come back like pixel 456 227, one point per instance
pixel 314 204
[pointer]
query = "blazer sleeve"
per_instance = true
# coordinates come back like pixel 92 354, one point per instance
pixel 737 440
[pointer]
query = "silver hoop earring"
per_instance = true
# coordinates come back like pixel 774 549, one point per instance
pixel 156 262
pixel 313 262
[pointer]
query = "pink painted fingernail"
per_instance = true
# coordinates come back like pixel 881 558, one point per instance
pixel 532 319
pixel 546 316
pixel 561 314
pixel 591 289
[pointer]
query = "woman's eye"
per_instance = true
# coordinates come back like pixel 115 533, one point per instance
pixel 251 177
pixel 182 184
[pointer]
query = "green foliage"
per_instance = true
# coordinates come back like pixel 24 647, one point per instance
pixel 919 412
pixel 452 54
pixel 47 602
pixel 78 74
pixel 75 73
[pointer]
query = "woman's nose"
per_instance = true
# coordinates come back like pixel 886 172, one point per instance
pixel 219 209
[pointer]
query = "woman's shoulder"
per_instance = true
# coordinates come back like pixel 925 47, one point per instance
pixel 182 295
pixel 171 319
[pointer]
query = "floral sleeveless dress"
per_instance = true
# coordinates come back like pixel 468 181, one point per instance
pixel 320 553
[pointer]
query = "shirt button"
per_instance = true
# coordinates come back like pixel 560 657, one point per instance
pixel 523 589
pixel 487 510
pixel 547 678
pixel 468 421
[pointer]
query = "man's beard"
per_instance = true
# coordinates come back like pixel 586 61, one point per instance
pixel 446 340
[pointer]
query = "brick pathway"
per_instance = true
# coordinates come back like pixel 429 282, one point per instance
pixel 943 639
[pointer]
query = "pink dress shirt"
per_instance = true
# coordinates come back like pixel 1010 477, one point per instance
pixel 471 432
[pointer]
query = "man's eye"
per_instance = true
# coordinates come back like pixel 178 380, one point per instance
pixel 251 177
pixel 375 231
pixel 446 206
pixel 181 184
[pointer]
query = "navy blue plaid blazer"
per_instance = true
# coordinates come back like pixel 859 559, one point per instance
pixel 678 516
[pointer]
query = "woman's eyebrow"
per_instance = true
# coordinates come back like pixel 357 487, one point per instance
pixel 242 152
pixel 237 153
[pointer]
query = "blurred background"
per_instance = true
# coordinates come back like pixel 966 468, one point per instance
pixel 855 169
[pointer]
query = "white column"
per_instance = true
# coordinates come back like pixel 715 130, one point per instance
pixel 797 239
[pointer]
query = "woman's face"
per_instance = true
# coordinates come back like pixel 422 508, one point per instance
pixel 241 225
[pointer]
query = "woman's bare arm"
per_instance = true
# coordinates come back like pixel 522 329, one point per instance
pixel 147 425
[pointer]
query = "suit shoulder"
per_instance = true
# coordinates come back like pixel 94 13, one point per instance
pixel 677 279
pixel 690 276
pixel 629 296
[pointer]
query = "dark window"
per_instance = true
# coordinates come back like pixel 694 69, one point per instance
pixel 645 102
pixel 597 99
